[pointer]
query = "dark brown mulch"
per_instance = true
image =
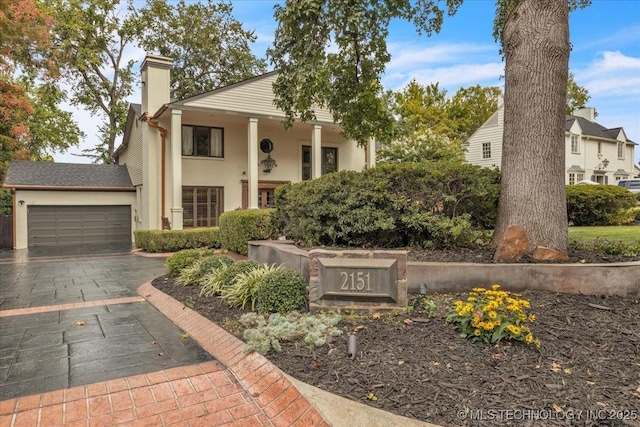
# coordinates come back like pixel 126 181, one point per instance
pixel 589 360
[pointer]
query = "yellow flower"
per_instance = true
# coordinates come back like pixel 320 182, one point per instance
pixel 477 332
pixel 479 290
pixel 528 338
pixel 532 318
pixel 515 330
pixel 495 287
pixel 493 314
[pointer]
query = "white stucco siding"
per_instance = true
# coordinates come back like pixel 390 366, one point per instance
pixel 287 152
pixel 65 198
pixel 253 97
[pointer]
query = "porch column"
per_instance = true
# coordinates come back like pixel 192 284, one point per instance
pixel 316 152
pixel 176 170
pixel 252 167
pixel 371 153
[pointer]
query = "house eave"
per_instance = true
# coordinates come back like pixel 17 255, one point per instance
pixel 244 114
pixel 67 188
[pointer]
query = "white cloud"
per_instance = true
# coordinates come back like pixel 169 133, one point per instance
pixel 438 54
pixel 451 77
pixel 611 73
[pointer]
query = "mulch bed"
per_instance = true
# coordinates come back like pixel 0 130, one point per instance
pixel 485 256
pixel 589 360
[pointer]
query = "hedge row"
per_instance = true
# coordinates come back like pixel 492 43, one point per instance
pixel 175 240
pixel 430 204
pixel 241 226
pixel 600 205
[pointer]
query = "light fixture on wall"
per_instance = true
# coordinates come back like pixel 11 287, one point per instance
pixel 266 146
pixel 268 163
pixel 603 164
pixel 21 202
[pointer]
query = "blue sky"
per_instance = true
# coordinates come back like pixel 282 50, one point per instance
pixel 605 57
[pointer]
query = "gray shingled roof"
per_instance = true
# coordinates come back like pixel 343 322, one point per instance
pixel 592 128
pixel 25 173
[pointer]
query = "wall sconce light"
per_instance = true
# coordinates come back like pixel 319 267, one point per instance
pixel 603 164
pixel 268 163
pixel 21 202
pixel 266 146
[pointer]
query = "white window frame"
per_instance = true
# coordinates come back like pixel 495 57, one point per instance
pixel 620 150
pixel 486 150
pixel 215 141
pixel 575 144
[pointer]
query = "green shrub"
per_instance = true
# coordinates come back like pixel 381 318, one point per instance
pixel 243 290
pixel 608 247
pixel 282 291
pixel 176 240
pixel 183 259
pixel 193 274
pixel 436 231
pixel 391 205
pixel 222 278
pixel 599 205
pixel 6 201
pixel 239 227
pixel 263 334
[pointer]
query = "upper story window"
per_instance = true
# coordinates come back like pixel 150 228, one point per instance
pixel 621 150
pixel 575 144
pixel 329 161
pixel 486 150
pixel 202 141
pixel 599 147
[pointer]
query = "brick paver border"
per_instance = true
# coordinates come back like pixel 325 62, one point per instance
pixel 237 389
pixel 276 396
pixel 68 306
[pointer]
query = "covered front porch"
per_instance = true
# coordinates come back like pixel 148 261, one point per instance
pixel 217 161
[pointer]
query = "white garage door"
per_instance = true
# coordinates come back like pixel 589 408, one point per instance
pixel 78 225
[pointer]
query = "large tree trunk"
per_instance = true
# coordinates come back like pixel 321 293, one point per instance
pixel 532 214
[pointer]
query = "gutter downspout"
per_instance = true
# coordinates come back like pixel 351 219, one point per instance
pixel 15 218
pixel 163 136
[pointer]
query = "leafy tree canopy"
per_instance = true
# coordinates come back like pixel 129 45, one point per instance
pixel 91 37
pixel 209 47
pixel 31 123
pixel 420 147
pixel 577 96
pixel 428 107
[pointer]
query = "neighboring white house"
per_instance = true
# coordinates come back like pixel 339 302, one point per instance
pixel 593 152
pixel 180 164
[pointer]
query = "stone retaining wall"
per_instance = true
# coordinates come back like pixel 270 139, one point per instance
pixel 621 279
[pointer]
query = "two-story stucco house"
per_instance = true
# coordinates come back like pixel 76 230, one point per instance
pixel 181 164
pixel 593 152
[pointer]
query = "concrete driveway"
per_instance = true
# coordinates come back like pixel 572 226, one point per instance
pixel 47 342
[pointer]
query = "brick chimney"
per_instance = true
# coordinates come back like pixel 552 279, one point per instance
pixel 155 74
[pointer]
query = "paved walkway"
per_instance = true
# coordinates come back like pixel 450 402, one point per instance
pixel 168 388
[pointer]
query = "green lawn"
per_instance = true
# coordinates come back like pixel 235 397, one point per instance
pixel 627 233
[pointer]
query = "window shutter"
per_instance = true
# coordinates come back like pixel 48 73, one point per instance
pixel 606 179
pixel 593 178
